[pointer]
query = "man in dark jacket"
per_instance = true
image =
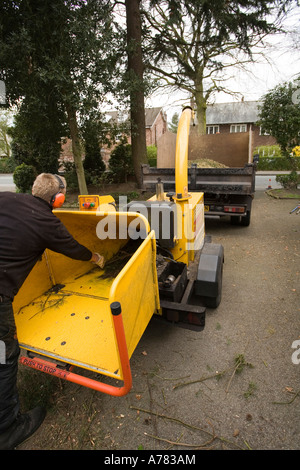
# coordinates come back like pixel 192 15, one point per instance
pixel 27 228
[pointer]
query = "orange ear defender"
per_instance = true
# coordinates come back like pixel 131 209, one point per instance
pixel 59 198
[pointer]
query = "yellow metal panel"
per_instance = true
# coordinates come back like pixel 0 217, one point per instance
pixel 75 329
pixel 84 226
pixel 190 230
pixel 64 312
pixel 96 202
pixel 38 282
pixel 136 288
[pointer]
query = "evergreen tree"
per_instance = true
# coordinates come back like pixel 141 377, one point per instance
pixel 66 48
pixel 279 115
pixel 93 160
pixel 174 123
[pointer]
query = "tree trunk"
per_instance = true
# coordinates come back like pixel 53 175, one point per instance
pixel 136 70
pixel 72 121
pixel 200 111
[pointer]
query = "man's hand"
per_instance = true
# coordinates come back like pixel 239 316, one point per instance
pixel 98 259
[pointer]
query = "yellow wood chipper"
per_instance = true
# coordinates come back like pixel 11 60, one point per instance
pixel 74 317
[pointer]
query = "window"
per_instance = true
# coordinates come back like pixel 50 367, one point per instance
pixel 263 132
pixel 212 129
pixel 238 128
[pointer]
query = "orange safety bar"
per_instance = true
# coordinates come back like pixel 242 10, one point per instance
pixel 49 368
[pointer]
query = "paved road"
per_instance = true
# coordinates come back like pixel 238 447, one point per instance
pixel 266 181
pixel 7 183
pixel 261 182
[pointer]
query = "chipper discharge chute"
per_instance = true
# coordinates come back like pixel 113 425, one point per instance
pixel 190 275
pixel 158 261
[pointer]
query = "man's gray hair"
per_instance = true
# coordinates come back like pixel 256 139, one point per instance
pixel 46 185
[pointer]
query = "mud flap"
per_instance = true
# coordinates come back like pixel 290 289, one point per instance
pixel 208 284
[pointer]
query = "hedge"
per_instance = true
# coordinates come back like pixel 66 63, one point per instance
pixel 277 164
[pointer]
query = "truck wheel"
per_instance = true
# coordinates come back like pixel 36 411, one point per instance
pixel 245 221
pixel 235 219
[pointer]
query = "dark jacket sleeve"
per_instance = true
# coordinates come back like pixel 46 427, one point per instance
pixel 61 241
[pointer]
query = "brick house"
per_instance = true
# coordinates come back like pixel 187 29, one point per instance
pixel 232 136
pixel 235 117
pixel 155 122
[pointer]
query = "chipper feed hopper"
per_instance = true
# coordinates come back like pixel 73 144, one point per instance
pixel 74 318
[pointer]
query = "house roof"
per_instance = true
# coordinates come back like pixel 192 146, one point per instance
pixel 241 112
pixel 150 115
